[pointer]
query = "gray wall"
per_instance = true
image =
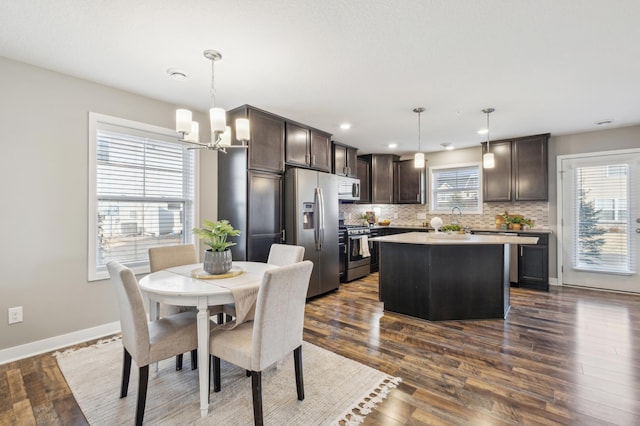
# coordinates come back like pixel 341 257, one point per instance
pixel 43 170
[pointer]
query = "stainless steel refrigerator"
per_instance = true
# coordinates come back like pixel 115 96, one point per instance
pixel 311 221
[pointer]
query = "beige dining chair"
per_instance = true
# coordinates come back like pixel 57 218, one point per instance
pixel 279 255
pixel 143 341
pixel 275 331
pixel 177 255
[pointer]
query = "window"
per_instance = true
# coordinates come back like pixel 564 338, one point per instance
pixel 602 230
pixel 142 192
pixel 457 185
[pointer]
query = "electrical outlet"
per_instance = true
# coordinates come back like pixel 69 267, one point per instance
pixel 15 315
pixel 421 216
pixel 395 215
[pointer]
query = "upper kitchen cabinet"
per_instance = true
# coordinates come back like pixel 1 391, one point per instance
pixel 345 160
pixel 306 147
pixel 266 146
pixel 380 184
pixel 520 172
pixel 363 172
pixel 408 183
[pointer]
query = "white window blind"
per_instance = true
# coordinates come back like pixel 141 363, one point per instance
pixel 456 186
pixel 603 230
pixel 143 192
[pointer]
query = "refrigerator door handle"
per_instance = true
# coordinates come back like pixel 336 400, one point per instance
pixel 316 218
pixel 321 211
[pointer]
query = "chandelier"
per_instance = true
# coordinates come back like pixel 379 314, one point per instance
pixel 418 159
pixel 488 161
pixel 220 132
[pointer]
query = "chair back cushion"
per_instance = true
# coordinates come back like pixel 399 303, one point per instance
pixel 170 256
pixel 133 319
pixel 279 317
pixel 285 254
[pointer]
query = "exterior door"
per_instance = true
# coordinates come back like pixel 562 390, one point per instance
pixel 600 228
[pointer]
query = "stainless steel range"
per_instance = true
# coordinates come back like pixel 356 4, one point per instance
pixel 358 257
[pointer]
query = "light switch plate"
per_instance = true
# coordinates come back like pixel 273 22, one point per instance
pixel 421 216
pixel 15 315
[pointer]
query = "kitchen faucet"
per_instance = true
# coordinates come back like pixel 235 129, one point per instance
pixel 454 221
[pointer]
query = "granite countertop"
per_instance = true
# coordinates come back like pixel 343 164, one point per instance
pixel 457 239
pixel 511 231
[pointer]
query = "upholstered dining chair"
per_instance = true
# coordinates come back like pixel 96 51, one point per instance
pixel 177 255
pixel 279 255
pixel 275 331
pixel 143 341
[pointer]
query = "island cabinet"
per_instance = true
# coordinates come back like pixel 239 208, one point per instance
pixel 307 147
pixel 444 282
pixel 408 183
pixel 533 263
pixel 266 146
pixel 344 160
pixel 520 172
pixel 380 183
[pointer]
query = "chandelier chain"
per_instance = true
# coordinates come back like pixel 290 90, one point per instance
pixel 213 79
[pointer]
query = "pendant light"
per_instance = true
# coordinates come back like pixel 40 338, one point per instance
pixel 418 158
pixel 488 161
pixel 220 132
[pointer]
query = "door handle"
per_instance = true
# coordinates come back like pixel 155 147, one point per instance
pixel 637 230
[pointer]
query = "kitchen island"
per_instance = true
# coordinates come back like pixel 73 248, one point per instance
pixel 437 276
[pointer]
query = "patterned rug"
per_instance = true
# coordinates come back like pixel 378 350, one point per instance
pixel 338 391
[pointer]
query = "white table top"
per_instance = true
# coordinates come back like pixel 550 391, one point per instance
pixel 177 283
pixel 449 239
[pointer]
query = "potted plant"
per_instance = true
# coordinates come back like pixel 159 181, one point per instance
pixel 217 259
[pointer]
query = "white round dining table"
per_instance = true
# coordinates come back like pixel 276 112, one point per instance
pixel 177 286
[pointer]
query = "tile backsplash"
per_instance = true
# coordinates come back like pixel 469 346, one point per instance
pixel 407 214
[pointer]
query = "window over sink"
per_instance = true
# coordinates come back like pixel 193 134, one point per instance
pixel 456 186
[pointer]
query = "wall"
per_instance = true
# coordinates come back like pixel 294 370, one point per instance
pixel 43 169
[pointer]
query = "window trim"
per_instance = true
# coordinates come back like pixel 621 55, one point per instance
pixel 99 121
pixel 433 169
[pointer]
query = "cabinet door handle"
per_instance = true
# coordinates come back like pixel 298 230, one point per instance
pixel 521 248
pixel 283 236
pixel 313 160
pixel 307 159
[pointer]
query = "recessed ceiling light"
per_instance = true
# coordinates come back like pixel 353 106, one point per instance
pixel 605 122
pixel 177 74
pixel 393 145
pixel 483 131
pixel 447 146
pixel 345 126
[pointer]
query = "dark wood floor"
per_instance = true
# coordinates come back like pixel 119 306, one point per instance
pixel 569 356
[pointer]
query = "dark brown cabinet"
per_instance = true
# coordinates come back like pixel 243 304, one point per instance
pixel 533 263
pixel 364 174
pixel 306 147
pixel 266 146
pixel 520 172
pixel 407 182
pixel 344 160
pixel 380 184
pixel 250 190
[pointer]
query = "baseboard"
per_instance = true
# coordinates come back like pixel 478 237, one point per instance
pixel 553 281
pixel 47 345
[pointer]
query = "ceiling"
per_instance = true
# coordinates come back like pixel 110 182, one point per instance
pixel 544 65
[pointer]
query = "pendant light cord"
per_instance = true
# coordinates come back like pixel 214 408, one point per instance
pixel 213 79
pixel 419 130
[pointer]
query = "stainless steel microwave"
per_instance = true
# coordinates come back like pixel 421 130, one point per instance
pixel 348 188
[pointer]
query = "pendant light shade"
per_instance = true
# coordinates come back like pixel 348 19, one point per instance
pixel 418 158
pixel 488 160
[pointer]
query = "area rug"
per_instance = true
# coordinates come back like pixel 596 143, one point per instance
pixel 338 391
